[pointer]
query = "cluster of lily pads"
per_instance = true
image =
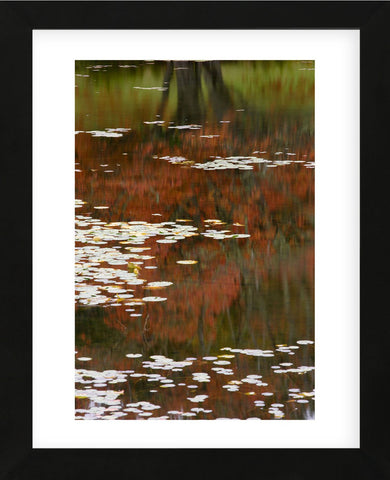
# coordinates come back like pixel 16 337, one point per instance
pixel 104 250
pixel 232 162
pixel 106 265
pixel 108 132
pixel 135 232
pixel 222 234
pixel 110 403
pixel 98 67
pixel 186 127
pixel 237 162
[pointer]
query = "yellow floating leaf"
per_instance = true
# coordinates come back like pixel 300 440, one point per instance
pixel 133 268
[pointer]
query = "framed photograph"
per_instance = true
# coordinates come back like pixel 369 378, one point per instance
pixel 195 212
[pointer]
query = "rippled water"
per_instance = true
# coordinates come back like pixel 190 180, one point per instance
pixel 194 240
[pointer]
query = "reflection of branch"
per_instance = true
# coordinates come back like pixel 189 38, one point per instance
pixel 146 328
pixel 145 331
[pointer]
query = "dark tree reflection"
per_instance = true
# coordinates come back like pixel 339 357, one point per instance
pixel 192 103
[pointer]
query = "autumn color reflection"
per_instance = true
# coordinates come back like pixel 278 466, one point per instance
pixel 251 290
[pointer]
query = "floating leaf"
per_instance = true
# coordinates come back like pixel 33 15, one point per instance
pixel 197 398
pixel 158 284
pixel 154 299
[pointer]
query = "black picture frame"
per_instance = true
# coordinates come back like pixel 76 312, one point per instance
pixel 18 459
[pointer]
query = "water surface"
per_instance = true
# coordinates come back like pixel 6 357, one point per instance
pixel 194 240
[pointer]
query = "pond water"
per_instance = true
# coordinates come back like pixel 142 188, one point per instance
pixel 194 240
